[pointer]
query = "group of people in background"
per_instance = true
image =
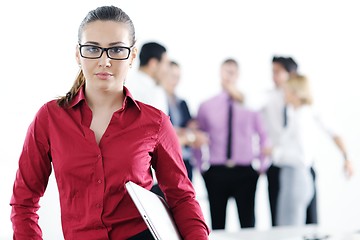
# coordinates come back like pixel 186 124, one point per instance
pixel 231 144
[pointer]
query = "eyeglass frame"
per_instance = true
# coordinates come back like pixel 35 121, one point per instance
pixel 104 50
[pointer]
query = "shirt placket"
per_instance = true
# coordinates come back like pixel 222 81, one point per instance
pixel 99 188
pixel 98 180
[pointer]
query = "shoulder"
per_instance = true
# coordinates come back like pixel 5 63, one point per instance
pixel 41 118
pixel 46 107
pixel 210 101
pixel 150 112
pixel 273 94
pixel 53 112
pixel 246 111
pixel 139 79
pixel 154 118
pixel 273 97
pixel 182 103
pixel 306 111
pixel 301 116
pixel 52 104
pixel 52 108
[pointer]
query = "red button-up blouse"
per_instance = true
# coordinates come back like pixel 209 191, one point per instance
pixel 91 177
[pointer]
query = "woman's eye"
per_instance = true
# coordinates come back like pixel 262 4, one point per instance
pixel 92 49
pixel 118 50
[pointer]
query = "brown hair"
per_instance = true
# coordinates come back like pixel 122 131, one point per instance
pixel 105 13
pixel 300 86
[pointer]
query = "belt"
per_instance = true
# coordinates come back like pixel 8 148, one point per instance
pixel 230 163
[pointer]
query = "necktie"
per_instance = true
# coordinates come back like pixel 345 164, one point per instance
pixel 229 139
pixel 285 116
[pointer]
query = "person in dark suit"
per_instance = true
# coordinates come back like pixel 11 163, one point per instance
pixel 181 118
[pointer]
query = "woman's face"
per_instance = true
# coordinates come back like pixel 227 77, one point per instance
pixel 105 73
pixel 290 96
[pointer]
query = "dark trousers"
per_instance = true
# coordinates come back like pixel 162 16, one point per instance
pixel 273 175
pixel 238 182
pixel 189 168
pixel 145 235
pixel 311 212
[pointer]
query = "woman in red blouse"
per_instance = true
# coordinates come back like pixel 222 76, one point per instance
pixel 97 138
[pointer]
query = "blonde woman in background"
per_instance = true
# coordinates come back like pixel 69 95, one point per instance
pixel 295 154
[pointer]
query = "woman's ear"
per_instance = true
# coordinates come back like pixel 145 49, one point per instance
pixel 77 55
pixel 133 55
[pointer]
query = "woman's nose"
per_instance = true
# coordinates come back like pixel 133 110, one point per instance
pixel 104 60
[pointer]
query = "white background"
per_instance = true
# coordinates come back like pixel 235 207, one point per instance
pixel 38 40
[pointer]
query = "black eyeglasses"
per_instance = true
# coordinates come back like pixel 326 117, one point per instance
pixel 94 52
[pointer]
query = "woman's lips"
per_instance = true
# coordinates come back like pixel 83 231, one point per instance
pixel 103 75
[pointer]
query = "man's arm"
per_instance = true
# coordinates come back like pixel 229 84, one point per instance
pixel 234 92
pixel 265 150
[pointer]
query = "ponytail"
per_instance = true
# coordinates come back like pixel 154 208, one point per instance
pixel 79 82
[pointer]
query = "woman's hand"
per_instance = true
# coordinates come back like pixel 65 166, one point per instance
pixel 348 168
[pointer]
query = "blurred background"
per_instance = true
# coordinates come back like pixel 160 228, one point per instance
pixel 38 64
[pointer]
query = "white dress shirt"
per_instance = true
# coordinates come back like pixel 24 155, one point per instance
pixel 144 89
pixel 273 115
pixel 298 142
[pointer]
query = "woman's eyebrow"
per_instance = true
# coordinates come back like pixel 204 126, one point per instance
pixel 93 43
pixel 110 44
pixel 116 43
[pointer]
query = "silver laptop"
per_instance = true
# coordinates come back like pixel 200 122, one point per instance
pixel 154 211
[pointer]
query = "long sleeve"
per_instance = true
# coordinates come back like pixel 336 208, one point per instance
pixel 173 181
pixel 263 140
pixel 197 153
pixel 31 180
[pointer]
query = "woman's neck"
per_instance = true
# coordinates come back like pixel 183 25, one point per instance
pixel 97 98
pixel 297 104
